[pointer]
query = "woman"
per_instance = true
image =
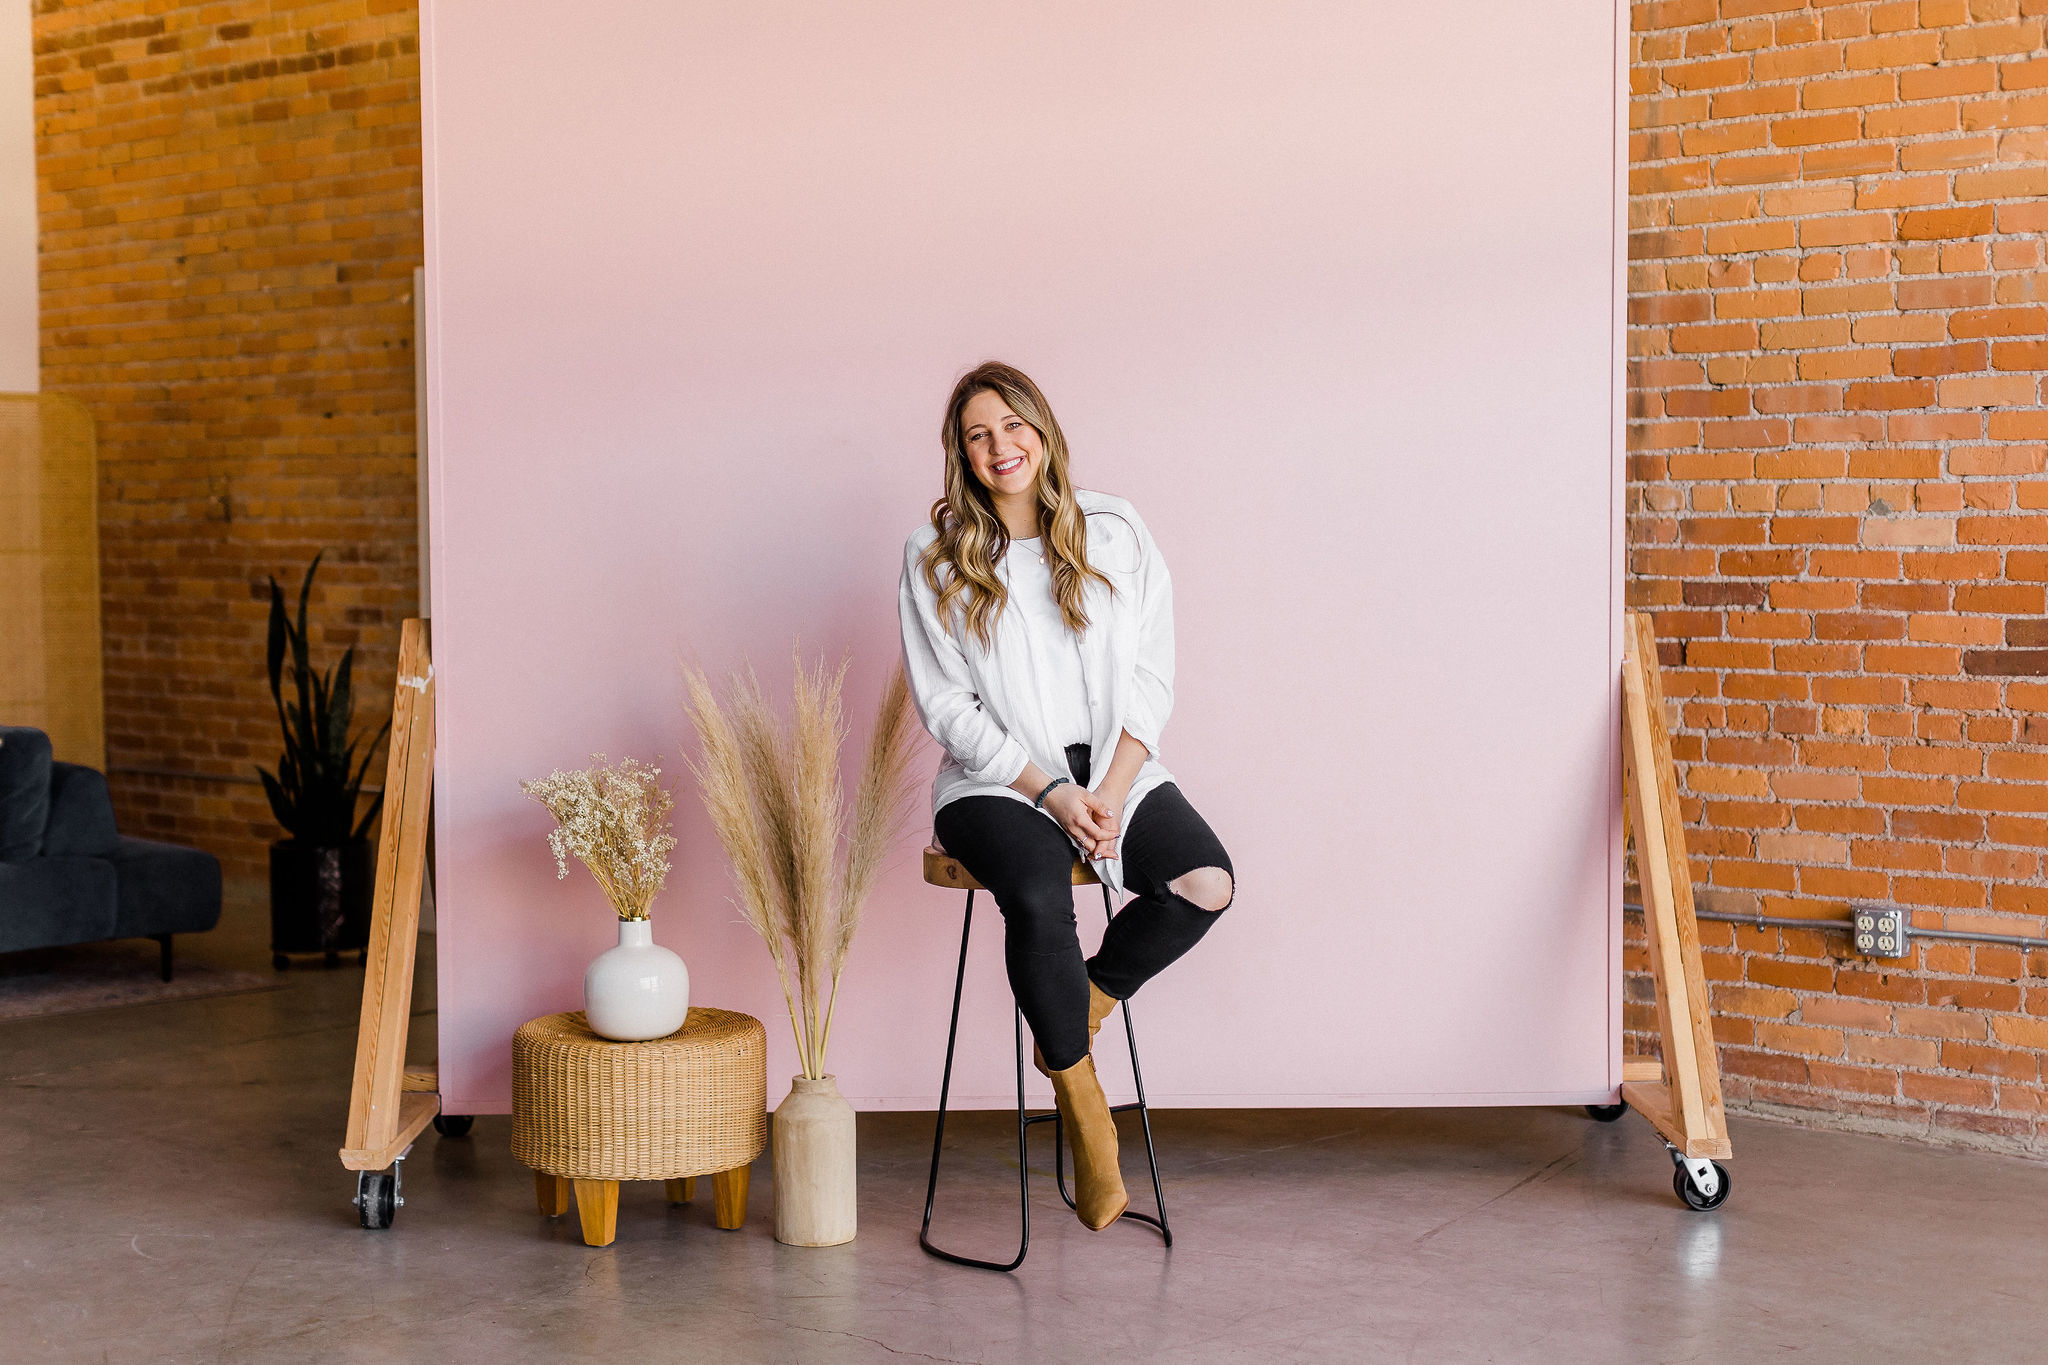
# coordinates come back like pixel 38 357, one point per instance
pixel 1038 638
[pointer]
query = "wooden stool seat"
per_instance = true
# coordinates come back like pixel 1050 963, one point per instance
pixel 594 1112
pixel 942 869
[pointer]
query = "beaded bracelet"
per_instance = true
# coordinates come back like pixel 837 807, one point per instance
pixel 1039 804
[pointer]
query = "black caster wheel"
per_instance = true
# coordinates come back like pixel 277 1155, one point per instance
pixel 1681 1184
pixel 279 961
pixel 453 1125
pixel 1606 1113
pixel 377 1199
pixel 331 961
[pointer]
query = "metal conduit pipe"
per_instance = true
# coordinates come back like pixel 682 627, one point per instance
pixel 2013 940
pixel 1842 926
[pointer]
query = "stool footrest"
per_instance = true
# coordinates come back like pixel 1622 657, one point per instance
pixel 1052 1115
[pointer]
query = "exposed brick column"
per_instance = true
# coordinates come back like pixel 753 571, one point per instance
pixel 230 200
pixel 1838 515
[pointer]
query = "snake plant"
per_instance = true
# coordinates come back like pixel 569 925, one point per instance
pixel 318 780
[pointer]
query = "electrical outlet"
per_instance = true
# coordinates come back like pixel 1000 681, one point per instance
pixel 1882 931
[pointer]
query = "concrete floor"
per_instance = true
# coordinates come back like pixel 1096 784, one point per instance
pixel 169 1192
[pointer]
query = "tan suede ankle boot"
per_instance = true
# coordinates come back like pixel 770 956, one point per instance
pixel 1099 1195
pixel 1099 1005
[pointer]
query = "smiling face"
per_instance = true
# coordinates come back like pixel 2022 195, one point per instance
pixel 1003 449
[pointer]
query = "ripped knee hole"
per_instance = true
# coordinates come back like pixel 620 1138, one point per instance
pixel 1206 888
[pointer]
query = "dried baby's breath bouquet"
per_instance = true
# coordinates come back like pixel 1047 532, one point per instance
pixel 615 818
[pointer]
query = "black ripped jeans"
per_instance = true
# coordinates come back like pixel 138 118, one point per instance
pixel 1026 860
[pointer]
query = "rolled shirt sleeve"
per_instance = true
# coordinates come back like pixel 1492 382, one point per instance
pixel 942 688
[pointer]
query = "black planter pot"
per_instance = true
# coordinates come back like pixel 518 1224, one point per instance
pixel 320 898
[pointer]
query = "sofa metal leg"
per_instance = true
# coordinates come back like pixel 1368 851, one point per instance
pixel 163 943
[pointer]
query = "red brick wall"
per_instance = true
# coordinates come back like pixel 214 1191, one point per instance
pixel 1838 514
pixel 1839 467
pixel 230 202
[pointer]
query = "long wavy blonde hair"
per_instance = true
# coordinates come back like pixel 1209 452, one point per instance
pixel 972 538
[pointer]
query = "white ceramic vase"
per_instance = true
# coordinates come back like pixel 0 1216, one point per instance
pixel 815 1202
pixel 638 990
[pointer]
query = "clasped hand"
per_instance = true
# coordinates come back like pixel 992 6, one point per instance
pixel 1091 820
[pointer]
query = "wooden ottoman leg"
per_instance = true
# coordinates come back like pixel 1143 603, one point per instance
pixel 682 1191
pixel 597 1205
pixel 551 1192
pixel 729 1195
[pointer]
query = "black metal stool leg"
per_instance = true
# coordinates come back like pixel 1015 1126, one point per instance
pixel 1059 1160
pixel 931 1188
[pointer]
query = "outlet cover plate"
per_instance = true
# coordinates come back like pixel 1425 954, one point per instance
pixel 1883 930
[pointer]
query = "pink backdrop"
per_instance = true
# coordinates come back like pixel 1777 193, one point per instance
pixel 1330 291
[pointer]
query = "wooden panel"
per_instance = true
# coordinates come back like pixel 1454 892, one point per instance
pixel 1652 1099
pixel 415 1112
pixel 1692 1088
pixel 1679 877
pixel 24 675
pixel 1653 869
pixel 374 1115
pixel 72 654
pixel 50 673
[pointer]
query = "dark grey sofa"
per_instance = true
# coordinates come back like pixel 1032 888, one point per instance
pixel 68 876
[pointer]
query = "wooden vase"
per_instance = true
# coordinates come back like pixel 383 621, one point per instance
pixel 815 1204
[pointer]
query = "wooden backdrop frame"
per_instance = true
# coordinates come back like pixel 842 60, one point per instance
pixel 1680 1095
pixel 389 1106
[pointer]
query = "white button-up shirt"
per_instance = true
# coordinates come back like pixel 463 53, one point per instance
pixel 980 704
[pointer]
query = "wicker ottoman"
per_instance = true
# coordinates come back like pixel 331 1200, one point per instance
pixel 594 1111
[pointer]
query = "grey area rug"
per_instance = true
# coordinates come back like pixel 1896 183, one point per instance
pixel 100 976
